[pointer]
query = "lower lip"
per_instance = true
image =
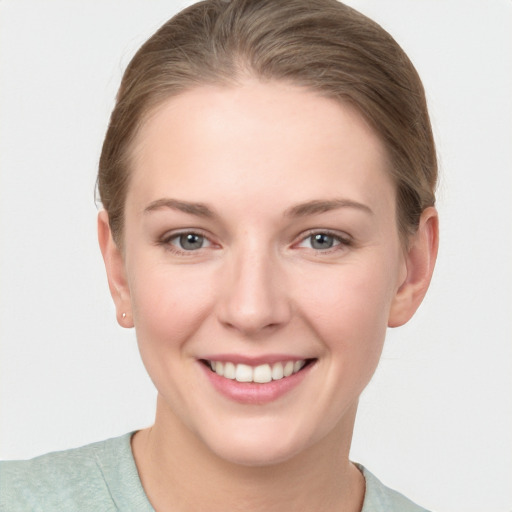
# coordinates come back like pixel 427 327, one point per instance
pixel 252 392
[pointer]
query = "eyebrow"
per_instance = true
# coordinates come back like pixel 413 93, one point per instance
pixel 199 209
pixel 321 206
pixel 313 207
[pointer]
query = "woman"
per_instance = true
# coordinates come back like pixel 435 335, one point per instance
pixel 268 184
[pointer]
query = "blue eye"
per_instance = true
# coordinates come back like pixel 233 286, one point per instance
pixel 189 241
pixel 323 241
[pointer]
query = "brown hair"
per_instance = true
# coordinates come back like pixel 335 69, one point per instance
pixel 322 45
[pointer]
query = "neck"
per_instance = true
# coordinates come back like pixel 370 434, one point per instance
pixel 179 473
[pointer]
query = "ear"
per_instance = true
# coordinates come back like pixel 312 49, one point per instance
pixel 116 274
pixel 420 259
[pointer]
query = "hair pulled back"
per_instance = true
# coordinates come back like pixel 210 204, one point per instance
pixel 322 45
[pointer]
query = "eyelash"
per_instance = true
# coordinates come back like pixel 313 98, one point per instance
pixel 341 241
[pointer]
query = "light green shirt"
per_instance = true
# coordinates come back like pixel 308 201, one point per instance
pixel 102 477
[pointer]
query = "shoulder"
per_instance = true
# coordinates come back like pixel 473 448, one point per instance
pixel 379 498
pixel 86 478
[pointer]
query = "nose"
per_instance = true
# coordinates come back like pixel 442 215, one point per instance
pixel 254 297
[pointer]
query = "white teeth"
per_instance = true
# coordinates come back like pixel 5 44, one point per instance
pixel 288 369
pixel 261 374
pixel 298 365
pixel 229 371
pixel 243 373
pixel 277 371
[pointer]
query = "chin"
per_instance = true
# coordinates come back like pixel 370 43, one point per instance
pixel 255 456
pixel 257 448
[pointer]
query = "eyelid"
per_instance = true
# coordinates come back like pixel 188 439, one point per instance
pixel 173 233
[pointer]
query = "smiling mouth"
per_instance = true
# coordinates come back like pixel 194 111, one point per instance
pixel 260 374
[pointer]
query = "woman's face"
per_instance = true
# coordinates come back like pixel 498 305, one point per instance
pixel 260 239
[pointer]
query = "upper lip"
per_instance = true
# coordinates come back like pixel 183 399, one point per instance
pixel 254 360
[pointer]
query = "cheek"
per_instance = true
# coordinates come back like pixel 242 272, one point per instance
pixel 169 303
pixel 348 308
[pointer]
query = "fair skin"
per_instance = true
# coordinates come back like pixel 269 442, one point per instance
pixel 260 229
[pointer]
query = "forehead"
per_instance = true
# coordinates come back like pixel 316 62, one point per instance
pixel 258 136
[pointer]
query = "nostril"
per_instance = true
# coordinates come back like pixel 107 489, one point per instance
pixel 251 325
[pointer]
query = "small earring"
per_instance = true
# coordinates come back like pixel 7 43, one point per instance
pixel 123 315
